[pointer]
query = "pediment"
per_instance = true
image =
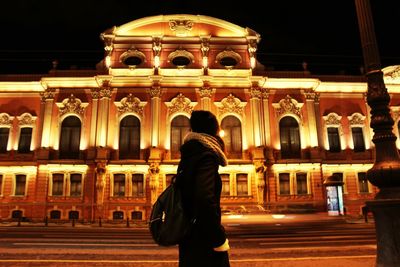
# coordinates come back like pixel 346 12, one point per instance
pixel 181 25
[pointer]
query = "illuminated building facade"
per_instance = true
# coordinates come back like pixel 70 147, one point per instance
pixel 105 143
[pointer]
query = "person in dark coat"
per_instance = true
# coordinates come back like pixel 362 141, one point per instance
pixel 201 154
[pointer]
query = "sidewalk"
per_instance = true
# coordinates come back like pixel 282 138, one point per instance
pixel 228 219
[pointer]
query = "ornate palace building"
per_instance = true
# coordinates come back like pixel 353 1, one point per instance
pixel 105 143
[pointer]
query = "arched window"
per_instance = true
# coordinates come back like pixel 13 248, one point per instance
pixel 55 214
pixel 118 215
pixel 290 138
pixel 180 126
pixel 358 139
pixel 232 136
pixel 129 138
pixel 70 138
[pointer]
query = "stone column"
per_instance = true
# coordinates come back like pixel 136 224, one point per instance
pixel 266 123
pixel 318 120
pixel 312 125
pixel 48 102
pixel 103 114
pixel 93 120
pixel 256 116
pixel 155 105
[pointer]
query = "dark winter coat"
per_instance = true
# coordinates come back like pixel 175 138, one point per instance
pixel 201 191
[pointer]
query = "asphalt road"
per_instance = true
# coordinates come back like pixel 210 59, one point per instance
pixel 252 244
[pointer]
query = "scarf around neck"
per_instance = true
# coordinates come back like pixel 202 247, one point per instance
pixel 209 142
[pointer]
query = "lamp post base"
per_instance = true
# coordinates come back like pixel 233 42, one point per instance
pixel 386 210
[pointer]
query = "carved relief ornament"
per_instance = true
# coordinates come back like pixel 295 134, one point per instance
pixel 26 119
pixel 206 92
pixel 357 119
pixel 72 105
pixel 181 27
pixel 332 119
pixel 5 119
pixel 180 104
pixel 288 105
pixel 130 104
pixel 230 104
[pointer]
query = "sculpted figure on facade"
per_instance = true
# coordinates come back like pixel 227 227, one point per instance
pixel 154 175
pixel 100 182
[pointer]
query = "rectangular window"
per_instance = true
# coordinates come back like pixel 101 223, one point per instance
pixel 226 191
pixel 284 184
pixel 334 139
pixel 301 184
pixel 4 132
pixel 25 138
pixel 363 182
pixel 358 139
pixel 137 185
pixel 76 184
pixel 20 183
pixel 242 186
pixel 58 184
pixel 119 185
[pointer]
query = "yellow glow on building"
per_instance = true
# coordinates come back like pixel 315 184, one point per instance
pixel 127 168
pixel 18 169
pixel 246 168
pixel 64 167
pixel 252 62
pixel 108 61
pixel 330 168
pixel 205 62
pixel 157 61
pixel 296 167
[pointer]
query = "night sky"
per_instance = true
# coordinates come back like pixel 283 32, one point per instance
pixel 323 33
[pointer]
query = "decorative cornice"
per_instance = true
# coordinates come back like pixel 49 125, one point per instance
pixel 356 119
pixel 288 105
pixel 180 104
pixel 47 94
pixel 72 105
pixel 130 104
pixel 256 93
pixel 181 27
pixel 265 93
pixel 154 91
pixel 332 119
pixel 5 119
pixel 206 92
pixel 26 119
pixel 230 104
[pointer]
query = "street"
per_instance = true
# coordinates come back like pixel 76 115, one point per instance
pixel 272 243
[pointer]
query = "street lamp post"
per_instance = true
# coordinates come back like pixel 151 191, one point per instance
pixel 385 173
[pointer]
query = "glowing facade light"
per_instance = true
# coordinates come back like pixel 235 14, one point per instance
pixel 221 133
pixel 108 61
pixel 157 61
pixel 252 62
pixel 205 62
